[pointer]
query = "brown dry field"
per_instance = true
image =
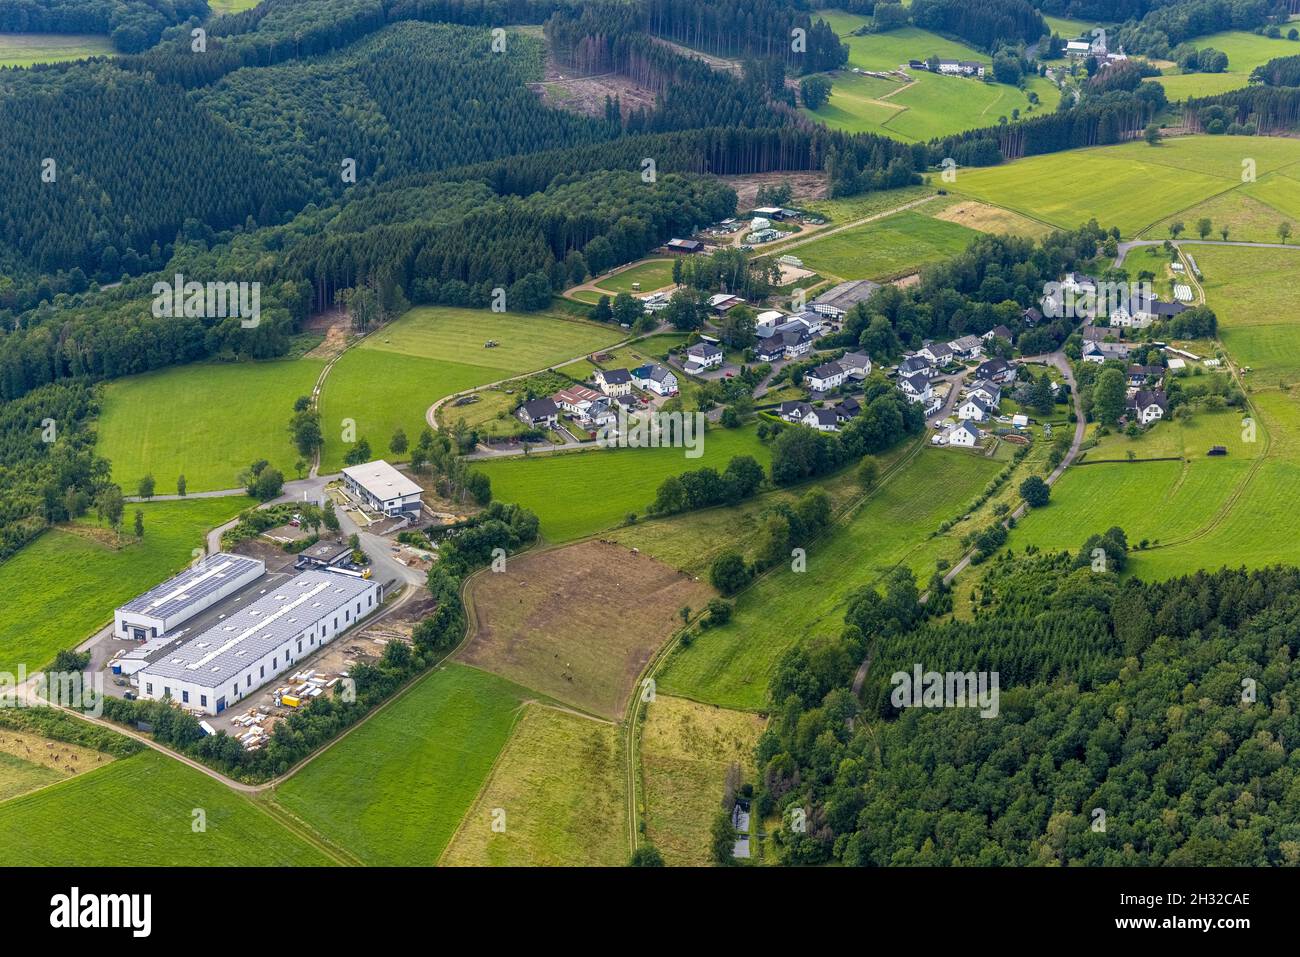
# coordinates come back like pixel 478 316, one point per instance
pixel 991 219
pixel 577 623
pixel 807 185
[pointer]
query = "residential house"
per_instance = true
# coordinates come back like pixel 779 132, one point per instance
pixel 614 382
pixel 940 353
pixel 825 377
pixel 996 370
pixel 539 414
pixel 770 349
pixel 702 356
pixel 600 413
pixel 848 409
pixel 797 343
pixel 990 392
pixel 964 435
pixel 1002 332
pixel 914 364
pixel 916 387
pixel 1148 405
pixel 765 323
pixel 1138 375
pixel 856 365
pixel 962 68
pixel 1095 333
pixel 1032 316
pixel 793 411
pixel 655 378
pixel 823 420
pixel 967 347
pixel 974 408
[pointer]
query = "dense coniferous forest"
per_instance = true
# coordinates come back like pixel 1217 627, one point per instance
pixel 749 28
pixel 1164 706
pixel 1280 71
pixel 986 25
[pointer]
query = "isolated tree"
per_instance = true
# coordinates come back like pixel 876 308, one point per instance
pixel 868 471
pixel 329 516
pixel 647 855
pixel 180 485
pixel 146 488
pixel 684 613
pixel 602 312
pixel 359 453
pixel 1284 231
pixel 1175 228
pixel 1152 134
pixel 110 505
pixel 1223 231
pixel 729 573
pixel 139 523
pixel 1204 226
pixel 1035 491
pixel 398 444
pixel 1108 394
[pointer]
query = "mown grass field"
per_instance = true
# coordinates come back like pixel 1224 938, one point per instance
pixel 990 219
pixel 19 776
pixel 559 791
pixel 138 811
pixel 731 666
pixel 887 248
pixel 686 751
pixel 578 493
pixel 220 7
pixel 206 422
pixel 652 275
pixel 65 585
pixel 391 378
pixel 394 791
pixel 1133 186
pixel 931 105
pixel 27 49
pixel 1245 50
pixel 545 621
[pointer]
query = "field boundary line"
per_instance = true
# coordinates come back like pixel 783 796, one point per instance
pixel 296 825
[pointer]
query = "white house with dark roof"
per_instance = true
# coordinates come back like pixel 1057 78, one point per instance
pixel 967 347
pixel 770 349
pixel 614 382
pixel 1148 405
pixel 792 411
pixel 910 365
pixel 539 413
pixel 940 353
pixel 964 435
pixel 856 365
pixel 823 420
pixel 825 377
pixel 990 392
pixel 702 356
pixel 655 378
pixel 975 408
pixel 996 370
pixel 916 387
pixel 1000 332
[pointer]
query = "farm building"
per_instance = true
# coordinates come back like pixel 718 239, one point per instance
pixel 684 247
pixel 164 607
pixel 838 300
pixel 382 488
pixel 251 646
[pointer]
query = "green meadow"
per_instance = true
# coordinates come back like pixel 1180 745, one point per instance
pixel 28 49
pixel 394 791
pixel 1133 186
pixel 579 493
pixel 139 811
pixel 392 377
pixel 206 422
pixel 886 248
pixel 930 105
pixel 1245 51
pixel 64 586
pixel 652 275
pixel 730 666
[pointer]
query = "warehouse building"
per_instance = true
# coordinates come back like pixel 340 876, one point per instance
pixel 164 607
pixel 229 661
pixel 383 489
